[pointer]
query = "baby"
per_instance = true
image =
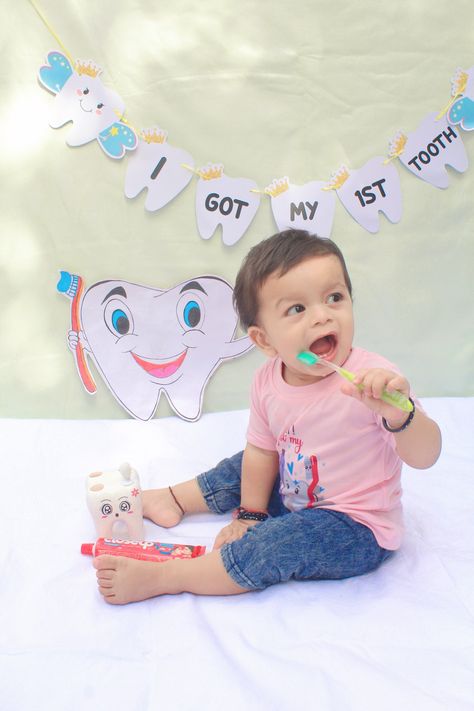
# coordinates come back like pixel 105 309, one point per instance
pixel 316 493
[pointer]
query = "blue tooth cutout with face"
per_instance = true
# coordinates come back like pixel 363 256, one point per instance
pixel 146 341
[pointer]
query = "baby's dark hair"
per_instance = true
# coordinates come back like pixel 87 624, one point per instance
pixel 277 254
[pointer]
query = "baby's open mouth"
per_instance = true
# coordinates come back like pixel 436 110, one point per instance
pixel 325 346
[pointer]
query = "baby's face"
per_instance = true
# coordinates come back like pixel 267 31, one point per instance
pixel 307 309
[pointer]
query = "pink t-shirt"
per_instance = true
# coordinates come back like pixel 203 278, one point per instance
pixel 334 452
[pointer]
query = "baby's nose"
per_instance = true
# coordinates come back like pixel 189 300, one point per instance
pixel 320 314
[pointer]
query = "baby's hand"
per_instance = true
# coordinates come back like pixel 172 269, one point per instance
pixel 372 382
pixel 232 532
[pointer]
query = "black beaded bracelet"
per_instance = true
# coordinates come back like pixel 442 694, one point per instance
pixel 244 515
pixel 405 424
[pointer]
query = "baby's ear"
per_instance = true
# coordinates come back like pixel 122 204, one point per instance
pixel 258 336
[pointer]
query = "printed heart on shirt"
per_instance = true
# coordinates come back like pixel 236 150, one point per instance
pixel 290 467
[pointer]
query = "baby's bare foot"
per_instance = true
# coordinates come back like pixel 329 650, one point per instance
pixel 123 580
pixel 161 508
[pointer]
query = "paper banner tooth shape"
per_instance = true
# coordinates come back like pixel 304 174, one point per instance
pixel 431 147
pixel 145 341
pixel 83 99
pixel 369 190
pixel 305 207
pixel 158 167
pixel 225 201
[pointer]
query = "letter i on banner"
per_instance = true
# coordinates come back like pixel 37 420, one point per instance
pixel 430 148
pixel 157 167
pixel 225 201
pixel 306 207
pixel 369 190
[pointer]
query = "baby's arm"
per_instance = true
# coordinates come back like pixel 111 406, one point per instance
pixel 259 471
pixel 418 445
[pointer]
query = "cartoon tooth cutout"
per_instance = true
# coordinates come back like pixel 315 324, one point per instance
pixel 145 341
pixel 158 167
pixel 94 109
pixel 434 145
pixel 225 201
pixel 372 189
pixel 305 207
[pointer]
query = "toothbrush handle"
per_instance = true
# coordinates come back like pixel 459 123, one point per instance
pixel 396 399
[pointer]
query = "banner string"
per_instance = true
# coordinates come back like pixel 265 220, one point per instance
pixel 51 30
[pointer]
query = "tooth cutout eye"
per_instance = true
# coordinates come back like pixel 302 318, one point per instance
pixel 106 509
pixel 124 506
pixel 118 318
pixel 120 321
pixel 190 312
pixel 85 91
pixel 100 106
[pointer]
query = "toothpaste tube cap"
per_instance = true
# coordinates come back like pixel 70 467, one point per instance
pixel 87 549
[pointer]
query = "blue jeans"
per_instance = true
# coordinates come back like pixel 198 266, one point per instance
pixel 310 544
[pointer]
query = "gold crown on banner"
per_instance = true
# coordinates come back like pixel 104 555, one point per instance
pixel 277 186
pixel 88 68
pixel 458 82
pixel 211 172
pixel 397 145
pixel 338 178
pixel 154 135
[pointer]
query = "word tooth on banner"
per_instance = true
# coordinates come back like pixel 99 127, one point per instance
pixel 462 111
pixel 369 190
pixel 145 341
pixel 225 201
pixel 306 207
pixel 157 167
pixel 430 148
pixel 81 97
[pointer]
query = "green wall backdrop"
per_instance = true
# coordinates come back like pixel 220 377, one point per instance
pixel 268 89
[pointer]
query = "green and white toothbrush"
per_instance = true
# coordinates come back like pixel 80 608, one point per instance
pixel 396 399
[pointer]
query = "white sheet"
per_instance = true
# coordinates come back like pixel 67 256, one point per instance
pixel 401 637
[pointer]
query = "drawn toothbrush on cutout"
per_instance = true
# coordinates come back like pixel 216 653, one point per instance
pixel 397 399
pixel 72 286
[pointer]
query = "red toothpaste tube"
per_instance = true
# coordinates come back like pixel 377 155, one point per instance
pixel 142 550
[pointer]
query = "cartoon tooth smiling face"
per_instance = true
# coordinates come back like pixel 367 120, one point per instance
pixel 93 108
pixel 145 341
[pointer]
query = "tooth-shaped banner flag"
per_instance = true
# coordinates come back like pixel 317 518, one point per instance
pixel 305 207
pixel 428 150
pixel 462 111
pixel 369 190
pixel 157 166
pixel 225 201
pixel 83 99
pixel 145 341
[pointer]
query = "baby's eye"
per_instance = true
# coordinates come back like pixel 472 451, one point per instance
pixel 334 298
pixel 296 309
